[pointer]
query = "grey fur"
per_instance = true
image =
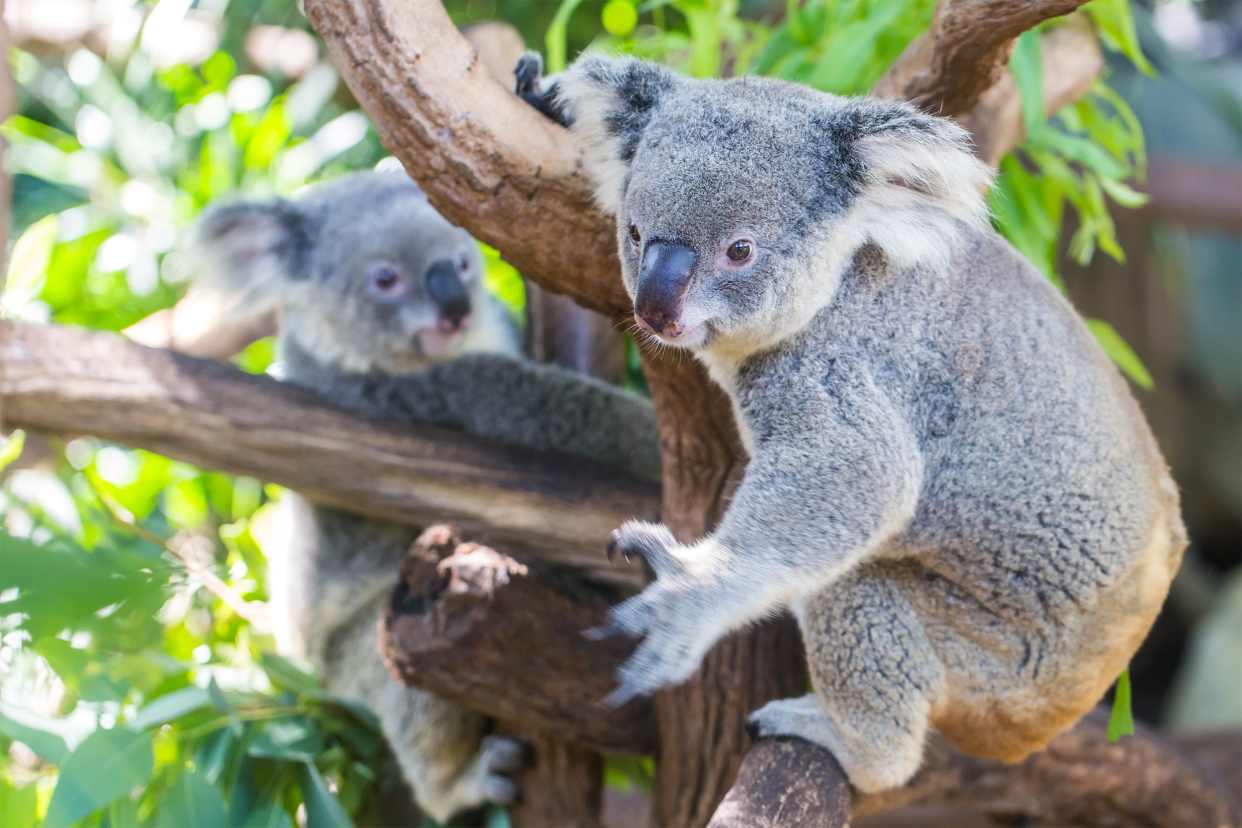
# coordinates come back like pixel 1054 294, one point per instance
pixel 949 484
pixel 329 571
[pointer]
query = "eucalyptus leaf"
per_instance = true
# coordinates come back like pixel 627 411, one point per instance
pixel 170 706
pixel 33 732
pixel 322 808
pixel 269 816
pixel 296 739
pixel 192 801
pixel 1120 353
pixel 18 806
pixel 284 672
pixel 106 765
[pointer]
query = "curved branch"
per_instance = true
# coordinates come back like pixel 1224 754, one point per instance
pixel 964 52
pixel 487 161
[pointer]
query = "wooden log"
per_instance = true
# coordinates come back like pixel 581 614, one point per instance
pixel 1079 779
pixel 482 630
pixel 60 379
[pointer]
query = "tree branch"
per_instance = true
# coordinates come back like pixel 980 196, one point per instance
pixel 478 629
pixel 60 379
pixel 964 52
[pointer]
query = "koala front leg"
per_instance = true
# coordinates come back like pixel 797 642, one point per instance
pixel 876 679
pixel 822 492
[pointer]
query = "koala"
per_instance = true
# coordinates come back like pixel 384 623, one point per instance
pixel 949 484
pixel 382 311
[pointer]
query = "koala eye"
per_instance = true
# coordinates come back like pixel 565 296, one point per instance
pixel 386 281
pixel 634 234
pixel 740 251
pixel 463 263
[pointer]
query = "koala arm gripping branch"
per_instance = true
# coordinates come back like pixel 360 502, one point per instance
pixel 524 404
pixel 830 481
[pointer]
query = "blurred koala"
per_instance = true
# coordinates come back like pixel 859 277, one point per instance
pixel 379 298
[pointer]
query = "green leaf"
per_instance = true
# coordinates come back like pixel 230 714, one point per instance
pixel 18 806
pixel 192 801
pixel 1121 355
pixel 322 808
pixel 1027 67
pixel 170 706
pixel 222 704
pixel 295 738
pixel 1121 720
pixel 34 732
pixel 1115 26
pixel 106 765
pixel 269 816
pixel 284 672
pixel 12 447
pixel 1122 194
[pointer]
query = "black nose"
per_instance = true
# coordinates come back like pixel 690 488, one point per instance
pixel 662 285
pixel 447 291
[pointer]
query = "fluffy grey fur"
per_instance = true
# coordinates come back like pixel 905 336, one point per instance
pixel 949 483
pixel 329 571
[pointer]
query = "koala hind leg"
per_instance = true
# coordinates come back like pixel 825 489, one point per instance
pixel 876 680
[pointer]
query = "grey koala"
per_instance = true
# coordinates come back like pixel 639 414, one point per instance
pixel 949 483
pixel 376 293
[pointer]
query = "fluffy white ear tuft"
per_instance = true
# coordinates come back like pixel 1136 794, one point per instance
pixel 607 103
pixel 252 251
pixel 921 176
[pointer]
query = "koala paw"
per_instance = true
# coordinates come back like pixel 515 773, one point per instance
pixel 484 780
pixel 529 71
pixel 804 717
pixel 677 614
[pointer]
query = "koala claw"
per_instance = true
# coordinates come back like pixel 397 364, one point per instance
pixel 614 546
pixel 650 541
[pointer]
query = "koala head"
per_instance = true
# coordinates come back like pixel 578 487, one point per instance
pixel 739 203
pixel 365 272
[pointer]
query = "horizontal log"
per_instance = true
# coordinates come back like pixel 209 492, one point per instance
pixel 66 380
pixel 479 629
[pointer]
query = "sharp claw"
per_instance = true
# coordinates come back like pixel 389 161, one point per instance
pixel 606 631
pixel 614 546
pixel 618 697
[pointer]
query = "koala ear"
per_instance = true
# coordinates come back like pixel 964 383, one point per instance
pixel 608 102
pixel 254 249
pixel 920 173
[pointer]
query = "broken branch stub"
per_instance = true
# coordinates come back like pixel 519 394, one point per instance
pixel 479 629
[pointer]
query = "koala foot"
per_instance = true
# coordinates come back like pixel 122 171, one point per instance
pixel 680 616
pixel 870 767
pixel 483 779
pixel 531 87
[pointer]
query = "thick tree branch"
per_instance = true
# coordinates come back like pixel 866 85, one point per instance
pixel 964 52
pixel 60 379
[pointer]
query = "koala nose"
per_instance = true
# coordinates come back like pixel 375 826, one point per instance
pixel 662 285
pixel 446 290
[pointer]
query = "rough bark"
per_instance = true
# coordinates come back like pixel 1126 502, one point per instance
pixel 60 379
pixel 563 787
pixel 476 628
pixel 1079 779
pixel 486 160
pixel 964 52
pixel 1072 61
